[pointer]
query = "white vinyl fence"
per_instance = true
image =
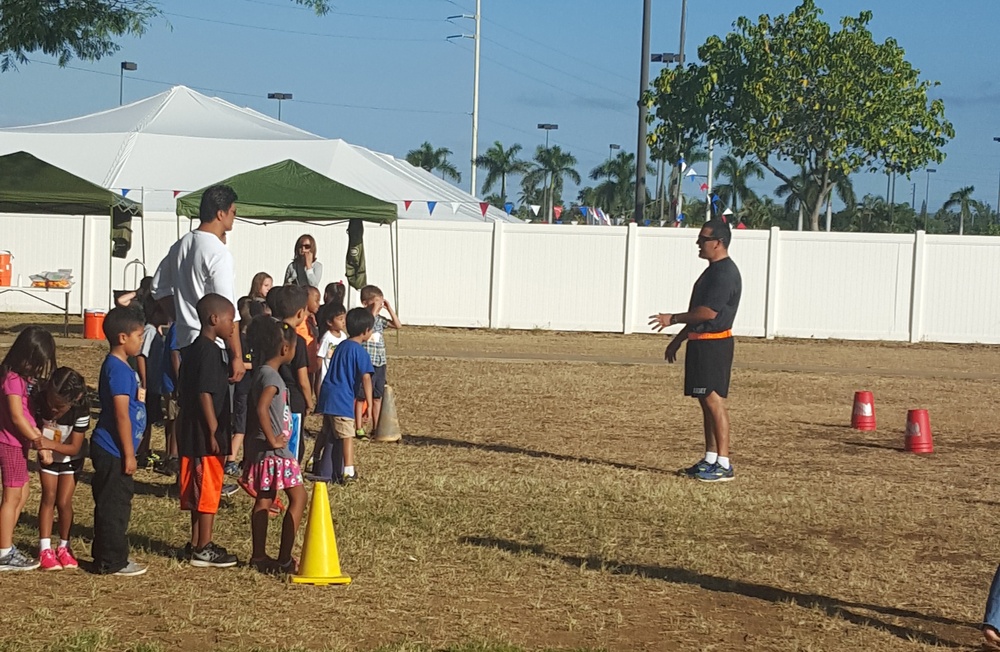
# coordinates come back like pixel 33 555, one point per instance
pixel 912 287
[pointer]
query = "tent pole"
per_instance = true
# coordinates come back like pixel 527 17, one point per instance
pixel 111 260
pixel 393 251
pixel 142 224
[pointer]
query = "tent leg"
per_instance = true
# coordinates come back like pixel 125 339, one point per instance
pixel 142 225
pixel 111 261
pixel 393 253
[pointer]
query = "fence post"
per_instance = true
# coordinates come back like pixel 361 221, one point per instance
pixel 496 274
pixel 917 293
pixel 631 235
pixel 771 298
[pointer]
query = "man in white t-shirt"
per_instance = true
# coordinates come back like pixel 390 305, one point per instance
pixel 200 264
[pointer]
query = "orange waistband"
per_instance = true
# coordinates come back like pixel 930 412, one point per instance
pixel 710 336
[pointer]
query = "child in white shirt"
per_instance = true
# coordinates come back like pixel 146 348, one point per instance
pixel 332 320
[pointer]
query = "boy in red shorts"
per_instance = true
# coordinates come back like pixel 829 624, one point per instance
pixel 203 438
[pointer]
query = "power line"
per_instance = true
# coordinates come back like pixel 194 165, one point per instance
pixel 254 95
pixel 344 13
pixel 303 33
pixel 539 80
pixel 560 70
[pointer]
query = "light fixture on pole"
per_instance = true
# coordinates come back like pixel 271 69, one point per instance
pixel 126 65
pixel 477 39
pixel 280 97
pixel 927 193
pixel 547 127
pixel 611 148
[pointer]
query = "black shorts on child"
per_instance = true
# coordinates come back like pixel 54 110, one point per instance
pixel 378 385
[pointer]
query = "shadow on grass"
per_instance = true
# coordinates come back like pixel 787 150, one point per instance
pixel 86 532
pixel 426 440
pixel 868 444
pixel 839 426
pixel 831 606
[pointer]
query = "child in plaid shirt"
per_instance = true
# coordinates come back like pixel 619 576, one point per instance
pixel 373 299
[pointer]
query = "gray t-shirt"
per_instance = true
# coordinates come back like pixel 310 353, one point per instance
pixel 256 446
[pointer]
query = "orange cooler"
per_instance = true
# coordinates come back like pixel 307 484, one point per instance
pixel 93 325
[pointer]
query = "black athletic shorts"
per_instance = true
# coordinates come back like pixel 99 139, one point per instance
pixel 378 385
pixel 708 366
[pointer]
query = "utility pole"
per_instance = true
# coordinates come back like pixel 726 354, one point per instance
pixel 477 38
pixel 708 194
pixel 640 152
pixel 680 158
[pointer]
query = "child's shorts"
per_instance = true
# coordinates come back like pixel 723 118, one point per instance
pixel 239 416
pixel 341 427
pixel 14 465
pixel 201 483
pixel 170 407
pixel 378 385
pixel 72 467
pixel 154 408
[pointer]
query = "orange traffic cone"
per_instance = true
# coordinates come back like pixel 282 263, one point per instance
pixel 388 419
pixel 320 563
pixel 918 432
pixel 863 415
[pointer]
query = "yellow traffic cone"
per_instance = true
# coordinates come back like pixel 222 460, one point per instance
pixel 320 563
pixel 388 420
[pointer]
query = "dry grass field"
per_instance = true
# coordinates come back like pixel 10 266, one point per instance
pixel 533 505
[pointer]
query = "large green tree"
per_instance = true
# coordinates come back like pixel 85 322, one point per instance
pixel 792 90
pixel 85 29
pixel 433 159
pixel 738 172
pixel 617 191
pixel 963 201
pixel 499 163
pixel 551 163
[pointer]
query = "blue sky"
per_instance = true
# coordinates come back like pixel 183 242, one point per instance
pixel 380 73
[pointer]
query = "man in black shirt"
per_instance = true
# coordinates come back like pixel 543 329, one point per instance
pixel 203 435
pixel 708 331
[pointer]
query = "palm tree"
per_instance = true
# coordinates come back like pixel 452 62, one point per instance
pixel 554 164
pixel 617 192
pixel 433 160
pixel 739 173
pixel 961 198
pixel 499 163
pixel 801 186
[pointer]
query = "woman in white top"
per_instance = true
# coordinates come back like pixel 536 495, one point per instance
pixel 304 269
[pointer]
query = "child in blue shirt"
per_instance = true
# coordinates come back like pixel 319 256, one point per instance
pixel 350 366
pixel 112 451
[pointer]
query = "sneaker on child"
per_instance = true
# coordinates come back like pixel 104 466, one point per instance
pixel 66 558
pixel 212 556
pixel 48 561
pixel 15 560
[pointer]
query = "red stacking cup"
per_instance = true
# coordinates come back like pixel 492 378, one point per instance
pixel 918 432
pixel 863 415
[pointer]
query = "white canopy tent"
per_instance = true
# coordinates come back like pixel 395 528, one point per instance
pixel 180 140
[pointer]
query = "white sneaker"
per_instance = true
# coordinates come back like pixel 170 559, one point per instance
pixel 132 569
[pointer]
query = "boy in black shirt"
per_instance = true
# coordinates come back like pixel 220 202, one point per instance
pixel 203 432
pixel 288 305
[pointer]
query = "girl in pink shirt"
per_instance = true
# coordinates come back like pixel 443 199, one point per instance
pixel 30 359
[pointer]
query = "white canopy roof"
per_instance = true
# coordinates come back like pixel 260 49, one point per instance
pixel 181 140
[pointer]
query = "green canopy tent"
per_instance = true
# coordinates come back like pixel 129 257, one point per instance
pixel 289 191
pixel 30 185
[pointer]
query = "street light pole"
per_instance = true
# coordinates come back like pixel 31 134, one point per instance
pixel 927 194
pixel 611 148
pixel 126 65
pixel 680 154
pixel 661 165
pixel 547 127
pixel 997 139
pixel 640 152
pixel 280 97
